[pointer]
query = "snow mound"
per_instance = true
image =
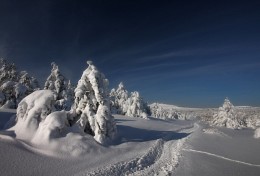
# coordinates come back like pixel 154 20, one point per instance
pixel 49 132
pixel 33 110
pixel 56 138
pixel 52 127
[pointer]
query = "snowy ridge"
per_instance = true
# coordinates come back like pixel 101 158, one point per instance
pixel 166 111
pixel 169 106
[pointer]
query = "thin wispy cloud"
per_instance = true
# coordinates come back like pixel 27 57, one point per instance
pixel 189 52
pixel 216 68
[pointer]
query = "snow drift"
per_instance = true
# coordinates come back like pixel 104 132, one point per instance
pixel 32 111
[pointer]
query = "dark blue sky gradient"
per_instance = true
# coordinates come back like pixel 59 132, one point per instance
pixel 188 53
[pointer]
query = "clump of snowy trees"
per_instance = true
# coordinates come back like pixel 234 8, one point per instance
pixel 39 117
pixel 228 117
pixel 14 85
pixel 131 105
pixel 162 113
pixel 119 98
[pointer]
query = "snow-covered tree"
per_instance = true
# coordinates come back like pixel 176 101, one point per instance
pixel 132 105
pixel 119 99
pixel 227 117
pixel 136 107
pixel 92 105
pixel 7 71
pixel 14 85
pixel 60 85
pixel 30 82
pixel 158 112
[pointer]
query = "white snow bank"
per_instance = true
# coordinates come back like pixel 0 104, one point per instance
pixel 52 127
pixel 49 132
pixel 33 110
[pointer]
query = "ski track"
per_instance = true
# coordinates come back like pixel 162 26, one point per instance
pixel 161 159
pixel 222 157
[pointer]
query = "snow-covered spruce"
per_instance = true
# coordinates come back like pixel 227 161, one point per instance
pixel 119 99
pixel 59 84
pixel 227 117
pixel 14 86
pixel 136 107
pixel 92 105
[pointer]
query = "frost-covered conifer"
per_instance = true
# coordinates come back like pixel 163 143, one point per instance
pixel 119 99
pixel 227 116
pixel 7 71
pixel 61 86
pixel 31 83
pixel 136 106
pixel 92 105
pixel 132 106
pixel 14 86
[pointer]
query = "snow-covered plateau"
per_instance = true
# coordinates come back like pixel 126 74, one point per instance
pixel 142 147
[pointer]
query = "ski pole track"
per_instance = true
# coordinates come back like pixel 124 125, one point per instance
pixel 161 159
pixel 222 157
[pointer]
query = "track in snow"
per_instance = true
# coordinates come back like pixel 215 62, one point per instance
pixel 161 159
pixel 222 157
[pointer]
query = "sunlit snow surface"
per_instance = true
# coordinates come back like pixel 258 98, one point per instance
pixel 143 147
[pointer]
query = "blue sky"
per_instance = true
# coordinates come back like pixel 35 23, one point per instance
pixel 188 53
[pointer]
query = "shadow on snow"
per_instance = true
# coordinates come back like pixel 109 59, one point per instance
pixel 132 134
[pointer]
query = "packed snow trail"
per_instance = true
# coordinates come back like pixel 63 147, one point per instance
pixel 161 159
pixel 222 157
